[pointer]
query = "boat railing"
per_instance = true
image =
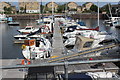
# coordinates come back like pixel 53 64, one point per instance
pixel 81 53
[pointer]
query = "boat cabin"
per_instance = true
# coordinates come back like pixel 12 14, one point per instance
pixel 85 43
pixel 29 27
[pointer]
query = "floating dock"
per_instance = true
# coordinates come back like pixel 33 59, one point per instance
pixel 58 47
pixel 12 73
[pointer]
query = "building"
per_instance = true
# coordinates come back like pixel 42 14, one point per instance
pixel 4 4
pixel 29 6
pixel 50 5
pixel 72 5
pixel 13 9
pixel 79 9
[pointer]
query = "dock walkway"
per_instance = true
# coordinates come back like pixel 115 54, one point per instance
pixel 11 73
pixel 58 47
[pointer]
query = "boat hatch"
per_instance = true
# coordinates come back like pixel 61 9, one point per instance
pixel 29 42
pixel 83 43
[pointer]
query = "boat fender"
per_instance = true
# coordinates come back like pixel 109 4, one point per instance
pixel 23 46
pixel 25 62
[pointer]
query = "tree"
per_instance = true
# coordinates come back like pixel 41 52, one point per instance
pixel 105 8
pixel 94 8
pixel 7 10
pixel 61 8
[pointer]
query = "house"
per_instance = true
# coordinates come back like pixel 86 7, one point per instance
pixel 13 9
pixel 72 5
pixel 29 6
pixel 52 4
pixel 79 9
pixel 4 4
pixel 87 5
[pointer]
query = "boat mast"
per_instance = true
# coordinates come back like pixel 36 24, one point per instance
pixel 98 14
pixel 41 11
pixel 110 10
pixel 52 10
pixel 52 16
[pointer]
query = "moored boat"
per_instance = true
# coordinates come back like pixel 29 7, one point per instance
pixel 36 49
pixel 28 30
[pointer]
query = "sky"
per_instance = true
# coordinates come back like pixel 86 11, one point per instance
pixel 66 0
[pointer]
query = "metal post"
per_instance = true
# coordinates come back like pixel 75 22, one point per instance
pixel 66 70
pixel 41 11
pixel 66 65
pixel 98 14
pixel 52 15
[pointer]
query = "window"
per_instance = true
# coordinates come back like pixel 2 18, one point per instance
pixel 27 28
pixel 107 42
pixel 88 44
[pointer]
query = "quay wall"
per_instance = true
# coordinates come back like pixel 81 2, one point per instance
pixel 28 16
pixel 87 16
pixel 36 16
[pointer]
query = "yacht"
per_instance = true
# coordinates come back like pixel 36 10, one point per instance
pixel 91 76
pixel 28 30
pixel 113 21
pixel 88 35
pixel 36 49
pixel 46 23
pixel 3 18
pixel 27 36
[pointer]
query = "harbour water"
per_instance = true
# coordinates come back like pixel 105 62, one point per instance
pixel 13 51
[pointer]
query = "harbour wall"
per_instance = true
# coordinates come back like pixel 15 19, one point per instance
pixel 37 16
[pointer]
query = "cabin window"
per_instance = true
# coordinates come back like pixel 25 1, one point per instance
pixel 107 42
pixel 28 28
pixel 88 44
pixel 46 22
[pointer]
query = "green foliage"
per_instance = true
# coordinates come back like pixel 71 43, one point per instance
pixel 94 8
pixel 105 8
pixel 87 11
pixel 61 8
pixel 22 8
pixel 7 10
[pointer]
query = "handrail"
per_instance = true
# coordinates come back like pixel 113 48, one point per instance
pixel 85 52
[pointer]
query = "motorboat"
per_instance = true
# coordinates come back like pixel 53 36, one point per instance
pixel 84 43
pixel 27 36
pixel 88 35
pixel 3 18
pixel 36 49
pixel 80 30
pixel 113 21
pixel 13 23
pixel 28 30
pixel 91 76
pixel 46 22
